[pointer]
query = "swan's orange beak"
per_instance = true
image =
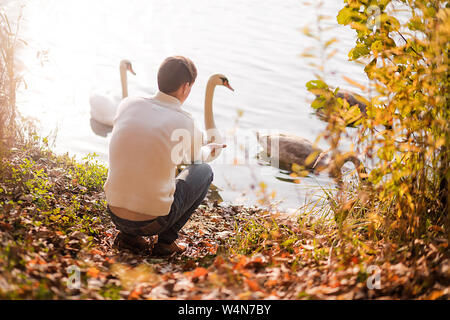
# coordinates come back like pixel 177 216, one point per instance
pixel 130 68
pixel 226 84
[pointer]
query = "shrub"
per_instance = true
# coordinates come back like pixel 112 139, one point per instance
pixel 403 135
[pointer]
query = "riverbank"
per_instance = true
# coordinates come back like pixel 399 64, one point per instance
pixel 53 224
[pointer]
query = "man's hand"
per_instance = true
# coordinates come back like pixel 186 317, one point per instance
pixel 214 145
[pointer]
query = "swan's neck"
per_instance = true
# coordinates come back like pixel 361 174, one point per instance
pixel 124 82
pixel 209 115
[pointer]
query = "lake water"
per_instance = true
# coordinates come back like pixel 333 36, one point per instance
pixel 75 47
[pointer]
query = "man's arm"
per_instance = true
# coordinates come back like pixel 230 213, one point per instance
pixel 203 152
pixel 208 150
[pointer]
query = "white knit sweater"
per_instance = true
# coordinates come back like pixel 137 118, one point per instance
pixel 150 137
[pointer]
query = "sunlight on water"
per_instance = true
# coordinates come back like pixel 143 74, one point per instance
pixel 74 48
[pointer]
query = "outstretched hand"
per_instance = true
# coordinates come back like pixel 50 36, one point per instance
pixel 214 145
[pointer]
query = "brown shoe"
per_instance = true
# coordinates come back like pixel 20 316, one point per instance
pixel 135 244
pixel 164 249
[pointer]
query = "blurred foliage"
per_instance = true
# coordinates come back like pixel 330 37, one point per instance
pixel 403 136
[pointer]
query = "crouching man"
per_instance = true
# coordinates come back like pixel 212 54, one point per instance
pixel 144 196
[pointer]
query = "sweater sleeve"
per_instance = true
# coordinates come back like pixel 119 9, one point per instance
pixel 202 153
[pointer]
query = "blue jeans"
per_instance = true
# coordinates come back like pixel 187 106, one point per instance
pixel 192 184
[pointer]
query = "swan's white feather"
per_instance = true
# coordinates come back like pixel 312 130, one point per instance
pixel 104 107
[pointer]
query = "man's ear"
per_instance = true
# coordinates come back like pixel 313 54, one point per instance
pixel 186 88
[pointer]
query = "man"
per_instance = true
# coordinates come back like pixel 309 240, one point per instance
pixel 144 196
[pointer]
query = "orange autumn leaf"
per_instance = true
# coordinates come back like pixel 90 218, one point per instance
pixel 93 272
pixel 286 277
pixel 135 294
pixel 37 260
pixel 206 243
pixel 31 262
pixel 253 285
pixel 110 260
pixel 198 272
pixel 166 276
pixel 96 251
pixel 436 295
pixel 241 263
pixel 354 83
pixel 334 284
pixel 271 283
pixel 213 250
pixel 254 262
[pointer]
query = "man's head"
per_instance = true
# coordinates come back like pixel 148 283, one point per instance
pixel 176 76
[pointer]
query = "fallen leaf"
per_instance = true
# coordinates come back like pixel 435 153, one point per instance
pixel 135 294
pixel 435 295
pixel 253 285
pixel 198 272
pixel 96 251
pixel 93 272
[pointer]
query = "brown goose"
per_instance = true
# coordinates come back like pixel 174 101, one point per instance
pixel 293 149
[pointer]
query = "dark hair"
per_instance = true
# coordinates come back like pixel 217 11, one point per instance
pixel 174 72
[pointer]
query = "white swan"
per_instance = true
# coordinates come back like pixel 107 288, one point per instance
pixel 104 107
pixel 212 133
